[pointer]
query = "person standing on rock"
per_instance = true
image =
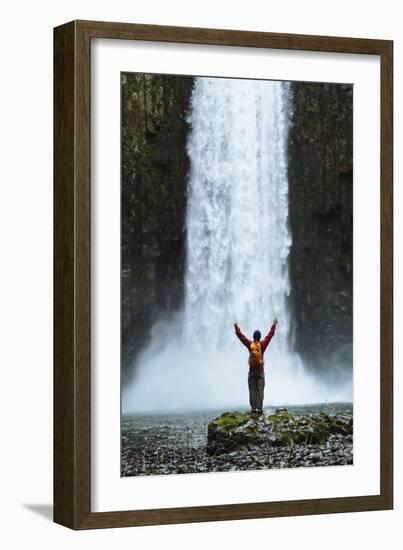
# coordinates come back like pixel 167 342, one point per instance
pixel 256 378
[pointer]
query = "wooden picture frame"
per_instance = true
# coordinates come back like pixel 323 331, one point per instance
pixel 72 270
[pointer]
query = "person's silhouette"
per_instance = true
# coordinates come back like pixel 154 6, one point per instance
pixel 256 377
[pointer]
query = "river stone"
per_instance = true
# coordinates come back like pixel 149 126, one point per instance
pixel 235 430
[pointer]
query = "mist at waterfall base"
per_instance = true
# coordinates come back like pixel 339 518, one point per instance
pixel 237 249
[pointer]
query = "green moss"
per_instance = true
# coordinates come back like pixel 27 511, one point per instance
pixel 300 436
pixel 281 415
pixel 287 438
pixel 229 420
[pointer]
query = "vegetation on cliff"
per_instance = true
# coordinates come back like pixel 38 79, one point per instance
pixel 154 171
pixel 320 173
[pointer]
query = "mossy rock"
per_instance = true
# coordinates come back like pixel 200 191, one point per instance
pixel 280 415
pixel 229 420
pixel 233 430
pixel 230 431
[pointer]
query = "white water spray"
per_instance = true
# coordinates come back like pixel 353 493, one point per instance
pixel 238 244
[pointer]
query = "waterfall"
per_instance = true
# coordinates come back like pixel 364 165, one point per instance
pixel 238 239
pixel 238 244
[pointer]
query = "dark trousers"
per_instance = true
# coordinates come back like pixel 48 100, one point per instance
pixel 256 390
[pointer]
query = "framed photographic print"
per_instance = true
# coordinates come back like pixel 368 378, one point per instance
pixel 222 275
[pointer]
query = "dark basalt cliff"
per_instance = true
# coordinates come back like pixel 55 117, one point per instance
pixel 321 216
pixel 154 172
pixel 155 167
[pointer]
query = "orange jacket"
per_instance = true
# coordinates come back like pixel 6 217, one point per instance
pixel 263 343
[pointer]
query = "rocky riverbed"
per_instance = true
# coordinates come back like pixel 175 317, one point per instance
pixel 238 440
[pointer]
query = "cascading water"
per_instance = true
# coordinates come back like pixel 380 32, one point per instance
pixel 238 243
pixel 238 238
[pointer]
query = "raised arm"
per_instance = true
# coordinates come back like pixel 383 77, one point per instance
pixel 245 341
pixel 266 340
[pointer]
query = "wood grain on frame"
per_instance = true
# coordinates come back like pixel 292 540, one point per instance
pixel 72 288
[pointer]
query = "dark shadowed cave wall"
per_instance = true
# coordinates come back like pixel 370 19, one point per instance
pixel 321 220
pixel 154 182
pixel 154 170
